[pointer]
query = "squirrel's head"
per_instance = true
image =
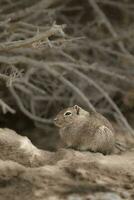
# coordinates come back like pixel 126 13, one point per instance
pixel 69 115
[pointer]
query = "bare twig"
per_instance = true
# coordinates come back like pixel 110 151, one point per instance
pixel 31 41
pixel 6 108
pixel 24 110
pixel 108 24
pixel 58 69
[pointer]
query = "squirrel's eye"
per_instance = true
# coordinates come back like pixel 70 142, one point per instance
pixel 68 113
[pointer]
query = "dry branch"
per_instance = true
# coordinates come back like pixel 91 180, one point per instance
pixel 60 70
pixel 6 108
pixel 108 24
pixel 31 42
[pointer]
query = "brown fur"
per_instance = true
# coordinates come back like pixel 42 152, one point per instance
pixel 84 130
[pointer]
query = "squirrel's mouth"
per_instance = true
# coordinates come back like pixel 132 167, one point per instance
pixel 57 123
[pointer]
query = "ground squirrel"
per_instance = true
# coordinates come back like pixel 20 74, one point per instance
pixel 84 130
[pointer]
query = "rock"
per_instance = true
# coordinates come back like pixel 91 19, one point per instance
pixel 63 175
pixel 108 196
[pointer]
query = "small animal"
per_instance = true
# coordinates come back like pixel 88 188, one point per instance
pixel 84 130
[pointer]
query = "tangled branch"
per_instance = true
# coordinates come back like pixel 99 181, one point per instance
pixel 90 64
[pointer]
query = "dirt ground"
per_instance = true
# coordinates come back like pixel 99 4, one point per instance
pixel 68 174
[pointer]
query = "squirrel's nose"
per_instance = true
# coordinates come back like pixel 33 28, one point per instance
pixel 55 119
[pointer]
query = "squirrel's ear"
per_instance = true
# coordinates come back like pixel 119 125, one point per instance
pixel 77 108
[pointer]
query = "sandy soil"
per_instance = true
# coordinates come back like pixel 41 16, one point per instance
pixel 72 175
pixel 68 174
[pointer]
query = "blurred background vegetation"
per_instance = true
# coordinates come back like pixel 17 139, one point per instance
pixel 56 53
